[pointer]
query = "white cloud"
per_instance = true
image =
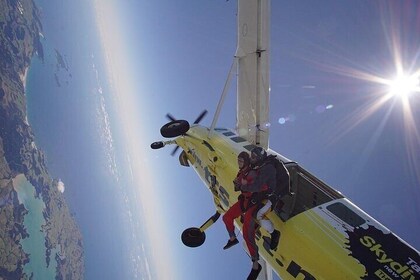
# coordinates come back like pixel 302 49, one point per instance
pixel 60 186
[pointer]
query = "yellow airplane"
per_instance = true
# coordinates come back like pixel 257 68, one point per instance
pixel 323 234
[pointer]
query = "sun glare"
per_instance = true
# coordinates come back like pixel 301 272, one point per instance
pixel 403 86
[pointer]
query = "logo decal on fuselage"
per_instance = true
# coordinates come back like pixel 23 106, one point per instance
pixel 215 187
pixel 383 255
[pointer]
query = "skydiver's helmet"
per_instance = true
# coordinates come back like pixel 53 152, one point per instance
pixel 245 158
pixel 258 155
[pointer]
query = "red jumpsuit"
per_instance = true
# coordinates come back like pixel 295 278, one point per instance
pixel 243 206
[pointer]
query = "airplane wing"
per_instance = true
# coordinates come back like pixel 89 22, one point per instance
pixel 252 54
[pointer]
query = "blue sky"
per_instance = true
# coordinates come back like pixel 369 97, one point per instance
pixel 154 57
pixel 182 53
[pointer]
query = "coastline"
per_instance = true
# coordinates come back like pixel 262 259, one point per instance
pixel 17 181
pixel 33 243
pixel 20 159
pixel 23 76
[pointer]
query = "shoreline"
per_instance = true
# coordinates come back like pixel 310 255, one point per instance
pixel 16 184
pixel 26 185
pixel 23 76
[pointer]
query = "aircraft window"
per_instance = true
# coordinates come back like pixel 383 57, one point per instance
pixel 345 214
pixel 208 145
pixel 249 147
pixel 238 139
pixel 229 133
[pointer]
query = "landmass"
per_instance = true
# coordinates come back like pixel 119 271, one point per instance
pixel 20 31
pixel 61 64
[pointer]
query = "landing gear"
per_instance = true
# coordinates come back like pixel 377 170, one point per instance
pixel 174 128
pixel 193 237
pixel 157 145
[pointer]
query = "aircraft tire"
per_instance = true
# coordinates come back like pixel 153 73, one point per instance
pixel 174 128
pixel 156 145
pixel 193 237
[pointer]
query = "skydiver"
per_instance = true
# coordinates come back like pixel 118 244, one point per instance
pixel 261 187
pixel 241 206
pixel 244 206
pixel 266 175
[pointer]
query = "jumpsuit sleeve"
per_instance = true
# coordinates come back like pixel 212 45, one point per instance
pixel 258 182
pixel 250 178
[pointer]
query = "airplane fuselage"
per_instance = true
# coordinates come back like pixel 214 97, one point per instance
pixel 323 234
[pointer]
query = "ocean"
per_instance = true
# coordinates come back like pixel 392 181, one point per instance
pixel 64 105
pixel 33 221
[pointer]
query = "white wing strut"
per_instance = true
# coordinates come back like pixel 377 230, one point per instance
pixel 266 272
pixel 252 118
pixel 222 98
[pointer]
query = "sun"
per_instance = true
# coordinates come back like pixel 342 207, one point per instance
pixel 404 86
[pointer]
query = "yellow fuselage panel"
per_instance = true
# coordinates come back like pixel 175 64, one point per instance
pixel 301 242
pixel 310 247
pixel 215 161
pixel 305 243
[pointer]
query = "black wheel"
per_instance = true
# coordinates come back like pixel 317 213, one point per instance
pixel 193 237
pixel 156 145
pixel 175 128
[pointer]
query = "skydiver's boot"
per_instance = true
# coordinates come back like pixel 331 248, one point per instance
pixel 231 243
pixel 275 237
pixel 254 273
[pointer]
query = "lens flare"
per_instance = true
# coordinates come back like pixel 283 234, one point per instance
pixel 389 86
pixel 403 86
